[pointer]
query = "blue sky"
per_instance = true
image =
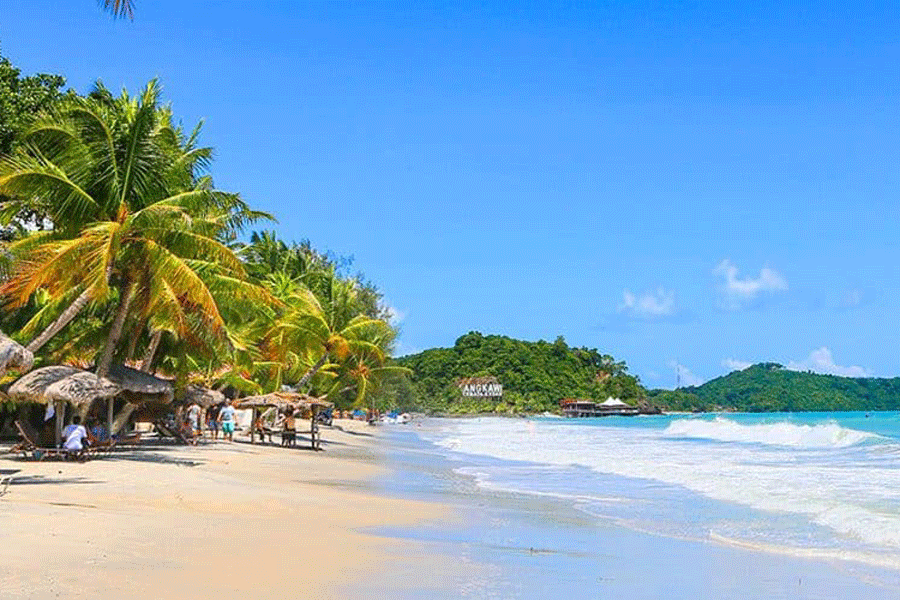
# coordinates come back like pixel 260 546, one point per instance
pixel 688 186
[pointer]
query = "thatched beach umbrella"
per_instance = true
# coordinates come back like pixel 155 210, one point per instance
pixel 205 397
pixel 60 384
pixel 137 387
pixel 14 355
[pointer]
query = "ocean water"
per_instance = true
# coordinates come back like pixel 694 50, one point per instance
pixel 817 486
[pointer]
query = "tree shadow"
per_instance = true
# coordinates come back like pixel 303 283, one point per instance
pixel 152 457
pixel 44 480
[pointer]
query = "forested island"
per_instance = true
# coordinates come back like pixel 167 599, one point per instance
pixel 769 387
pixel 536 375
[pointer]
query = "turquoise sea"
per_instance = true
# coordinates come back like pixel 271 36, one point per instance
pixel 784 505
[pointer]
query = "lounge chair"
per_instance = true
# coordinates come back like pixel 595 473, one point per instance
pixel 166 429
pixel 29 446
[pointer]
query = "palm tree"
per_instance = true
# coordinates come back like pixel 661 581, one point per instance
pixel 119 8
pixel 134 219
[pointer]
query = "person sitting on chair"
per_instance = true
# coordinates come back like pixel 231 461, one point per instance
pixel 75 435
pixel 289 430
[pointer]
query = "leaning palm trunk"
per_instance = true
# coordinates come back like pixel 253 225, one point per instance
pixel 70 313
pixel 315 369
pixel 122 418
pixel 151 350
pixel 115 333
pixel 66 317
pixel 111 341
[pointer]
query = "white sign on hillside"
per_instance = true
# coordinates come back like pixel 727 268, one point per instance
pixel 482 390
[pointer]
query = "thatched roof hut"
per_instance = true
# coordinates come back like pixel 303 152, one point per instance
pixel 281 400
pixel 62 383
pixel 137 387
pixel 14 355
pixel 205 397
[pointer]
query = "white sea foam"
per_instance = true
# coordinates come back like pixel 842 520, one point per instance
pixel 782 433
pixel 825 475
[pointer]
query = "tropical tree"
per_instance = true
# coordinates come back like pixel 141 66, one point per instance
pixel 119 8
pixel 135 218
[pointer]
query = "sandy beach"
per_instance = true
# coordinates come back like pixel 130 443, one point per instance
pixel 224 520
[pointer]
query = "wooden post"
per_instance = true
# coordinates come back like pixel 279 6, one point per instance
pixel 59 422
pixel 253 426
pixel 109 415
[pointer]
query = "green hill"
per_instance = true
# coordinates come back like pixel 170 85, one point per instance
pixel 534 375
pixel 769 387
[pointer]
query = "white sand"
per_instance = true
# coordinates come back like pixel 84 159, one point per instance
pixel 221 521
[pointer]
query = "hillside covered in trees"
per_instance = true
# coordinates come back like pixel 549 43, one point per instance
pixel 534 375
pixel 769 387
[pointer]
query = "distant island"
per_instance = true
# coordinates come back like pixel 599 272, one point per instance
pixel 769 387
pixel 536 375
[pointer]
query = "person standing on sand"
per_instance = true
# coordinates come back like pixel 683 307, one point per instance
pixel 194 418
pixel 212 419
pixel 226 418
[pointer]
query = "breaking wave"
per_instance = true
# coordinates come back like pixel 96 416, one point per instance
pixel 819 436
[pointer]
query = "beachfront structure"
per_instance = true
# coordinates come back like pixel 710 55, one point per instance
pixel 58 385
pixel 588 408
pixel 281 400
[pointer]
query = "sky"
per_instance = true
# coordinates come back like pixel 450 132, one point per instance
pixel 689 186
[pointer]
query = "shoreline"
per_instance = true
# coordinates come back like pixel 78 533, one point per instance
pixel 231 520
pixel 380 513
pixel 531 546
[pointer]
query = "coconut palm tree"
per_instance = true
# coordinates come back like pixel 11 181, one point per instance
pixel 119 8
pixel 134 217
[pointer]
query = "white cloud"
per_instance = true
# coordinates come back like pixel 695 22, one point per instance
pixel 821 361
pixel 739 291
pixel 733 364
pixel 684 375
pixel 649 305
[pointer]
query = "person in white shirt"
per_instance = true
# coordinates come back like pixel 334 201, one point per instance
pixel 74 435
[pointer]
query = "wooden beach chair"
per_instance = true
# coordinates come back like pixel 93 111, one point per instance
pixel 29 446
pixel 164 429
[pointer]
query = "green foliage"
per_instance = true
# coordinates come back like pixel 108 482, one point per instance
pixel 768 387
pixel 21 99
pixel 534 375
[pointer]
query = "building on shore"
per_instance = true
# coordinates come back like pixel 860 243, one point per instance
pixel 572 407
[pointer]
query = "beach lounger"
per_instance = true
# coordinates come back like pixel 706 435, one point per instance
pixel 165 429
pixel 30 447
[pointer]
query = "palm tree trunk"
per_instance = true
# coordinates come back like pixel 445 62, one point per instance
pixel 116 331
pixel 309 374
pixel 151 350
pixel 70 313
pixel 122 418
